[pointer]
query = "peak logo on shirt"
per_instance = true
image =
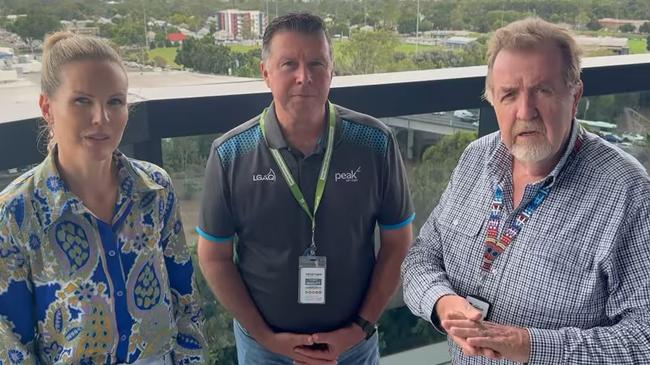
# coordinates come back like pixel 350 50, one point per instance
pixel 347 176
pixel 270 176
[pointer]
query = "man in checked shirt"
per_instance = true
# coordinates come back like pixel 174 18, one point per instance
pixel 539 249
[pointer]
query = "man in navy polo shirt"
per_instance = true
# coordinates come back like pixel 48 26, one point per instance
pixel 300 189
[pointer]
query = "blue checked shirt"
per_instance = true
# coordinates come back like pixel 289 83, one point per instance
pixel 577 275
pixel 76 290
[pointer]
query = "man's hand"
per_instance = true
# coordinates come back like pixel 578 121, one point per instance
pixel 336 342
pixel 512 343
pixel 285 344
pixel 456 308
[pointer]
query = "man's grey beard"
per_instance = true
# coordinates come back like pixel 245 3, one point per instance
pixel 531 152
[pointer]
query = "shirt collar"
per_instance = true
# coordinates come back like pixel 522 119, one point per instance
pixel 50 190
pixel 275 138
pixel 500 163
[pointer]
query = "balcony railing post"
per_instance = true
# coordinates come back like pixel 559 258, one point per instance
pixel 150 151
pixel 487 121
pixel 18 141
pixel 141 139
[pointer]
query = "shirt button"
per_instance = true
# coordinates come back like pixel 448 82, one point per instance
pixel 119 293
pixel 123 338
pixel 455 222
pixel 111 253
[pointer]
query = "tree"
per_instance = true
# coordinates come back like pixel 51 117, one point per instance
pixel 247 63
pixel 582 19
pixel 627 28
pixel 204 56
pixel 34 26
pixel 429 178
pixel 647 43
pixel 645 28
pixel 594 25
pixel 438 14
pixel 159 61
pixel 127 31
pixel 339 28
pixel 407 23
pixel 367 52
pixel 390 11
pixel 472 55
pixel 498 18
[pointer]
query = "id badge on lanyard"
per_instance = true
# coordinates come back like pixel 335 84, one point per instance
pixel 311 288
pixel 311 268
pixel 480 304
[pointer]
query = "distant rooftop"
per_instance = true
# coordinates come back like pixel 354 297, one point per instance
pixel 636 22
pixel 460 40
pixel 18 99
pixel 605 42
pixel 175 37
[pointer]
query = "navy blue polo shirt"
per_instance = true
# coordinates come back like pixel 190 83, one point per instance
pixel 245 196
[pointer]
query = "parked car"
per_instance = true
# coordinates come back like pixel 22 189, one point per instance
pixel 465 115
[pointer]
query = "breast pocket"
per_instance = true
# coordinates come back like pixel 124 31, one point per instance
pixel 460 233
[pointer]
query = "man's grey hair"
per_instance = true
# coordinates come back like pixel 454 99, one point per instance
pixel 531 33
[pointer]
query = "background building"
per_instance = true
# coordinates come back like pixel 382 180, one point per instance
pixel 614 44
pixel 615 24
pixel 241 24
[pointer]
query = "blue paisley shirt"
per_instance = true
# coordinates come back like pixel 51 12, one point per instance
pixel 77 290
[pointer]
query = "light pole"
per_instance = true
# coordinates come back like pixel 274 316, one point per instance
pixel 417 28
pixel 146 41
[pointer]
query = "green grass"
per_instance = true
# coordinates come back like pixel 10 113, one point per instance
pixel 409 48
pixel 637 45
pixel 406 48
pixel 241 48
pixel 168 54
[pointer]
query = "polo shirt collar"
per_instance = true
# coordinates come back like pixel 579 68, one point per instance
pixel 275 138
pixel 500 162
pixel 55 198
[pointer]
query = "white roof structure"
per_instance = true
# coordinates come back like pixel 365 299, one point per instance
pixel 597 124
pixel 6 52
pixel 460 41
pixel 601 42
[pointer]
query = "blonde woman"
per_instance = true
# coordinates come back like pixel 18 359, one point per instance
pixel 93 263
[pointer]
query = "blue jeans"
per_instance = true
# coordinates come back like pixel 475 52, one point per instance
pixel 249 352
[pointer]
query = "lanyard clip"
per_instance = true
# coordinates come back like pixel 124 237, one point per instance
pixel 312 247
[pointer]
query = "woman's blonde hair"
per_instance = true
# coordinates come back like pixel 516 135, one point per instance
pixel 61 48
pixel 528 34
